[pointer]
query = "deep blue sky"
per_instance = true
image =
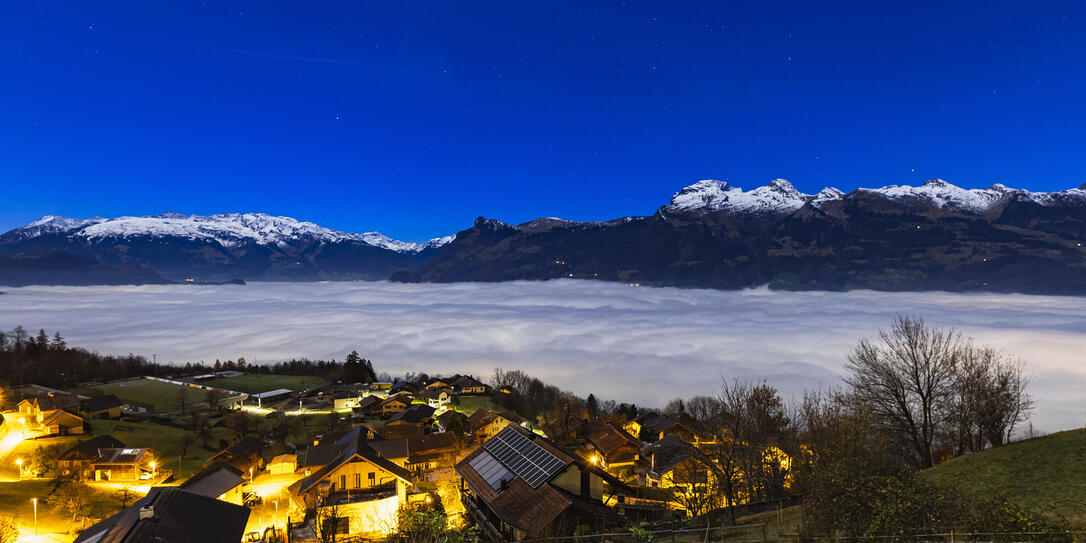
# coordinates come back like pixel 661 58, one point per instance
pixel 414 120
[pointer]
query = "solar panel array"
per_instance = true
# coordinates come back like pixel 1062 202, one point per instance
pixel 532 463
pixel 492 471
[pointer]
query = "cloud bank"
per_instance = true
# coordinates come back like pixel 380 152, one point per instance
pixel 645 345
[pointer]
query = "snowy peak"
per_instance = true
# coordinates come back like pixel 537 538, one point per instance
pixel 227 229
pixel 779 196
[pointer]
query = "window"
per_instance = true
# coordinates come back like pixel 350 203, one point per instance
pixel 343 481
pixel 373 478
pixel 358 480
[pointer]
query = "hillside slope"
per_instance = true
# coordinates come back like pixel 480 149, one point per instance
pixel 1045 474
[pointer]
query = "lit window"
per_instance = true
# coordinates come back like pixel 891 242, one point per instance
pixel 358 480
pixel 343 481
pixel 373 478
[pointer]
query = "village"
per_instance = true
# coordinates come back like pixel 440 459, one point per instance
pixel 234 455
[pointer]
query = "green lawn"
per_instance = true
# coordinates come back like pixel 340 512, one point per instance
pixel 774 525
pixel 147 393
pixel 164 439
pixel 469 404
pixel 255 383
pixel 1044 474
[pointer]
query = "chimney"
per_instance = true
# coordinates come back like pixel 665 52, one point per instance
pixel 147 512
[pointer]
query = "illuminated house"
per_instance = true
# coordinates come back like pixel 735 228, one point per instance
pixel 395 404
pixel 611 447
pixel 246 455
pixel 437 397
pixel 125 465
pixel 78 462
pixel 171 514
pixel 350 479
pixel 102 407
pixel 484 423
pixel 671 463
pixel 52 413
pixel 654 427
pixel 420 454
pixel 520 486
pixel 220 481
pixel 412 421
pixel 466 384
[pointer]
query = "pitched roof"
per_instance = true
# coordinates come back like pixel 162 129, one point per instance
pixel 100 403
pixel 607 437
pixel 61 417
pixel 244 448
pixel 415 447
pixel 482 417
pixel 177 516
pixel 466 381
pixel 445 417
pixel 402 398
pixel 214 481
pixel 352 444
pixel 515 501
pixel 669 452
pixel 369 402
pixel 53 400
pixel 88 449
pixel 122 456
pixel 415 414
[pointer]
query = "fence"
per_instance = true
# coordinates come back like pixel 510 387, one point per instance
pixel 762 533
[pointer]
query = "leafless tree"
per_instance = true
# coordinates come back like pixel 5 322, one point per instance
pixel 906 379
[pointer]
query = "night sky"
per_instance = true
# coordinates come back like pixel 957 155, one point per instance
pixel 415 120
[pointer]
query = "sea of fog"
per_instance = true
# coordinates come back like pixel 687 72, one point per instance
pixel 636 344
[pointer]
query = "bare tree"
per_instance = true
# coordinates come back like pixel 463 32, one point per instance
pixel 9 530
pixel 694 483
pixel 906 379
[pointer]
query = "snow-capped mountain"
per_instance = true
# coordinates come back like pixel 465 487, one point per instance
pixel 935 236
pixel 228 230
pixel 215 248
pixel 780 197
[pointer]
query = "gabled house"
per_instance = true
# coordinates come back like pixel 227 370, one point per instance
pixel 436 383
pixel 518 486
pixel 362 488
pixel 485 423
pixel 437 397
pixel 220 481
pixel 78 461
pixel 452 420
pixel 283 464
pixel 102 407
pixel 171 514
pixel 125 465
pixel 466 384
pixel 394 404
pixel 610 447
pixel 246 455
pixel 59 422
pixel 420 454
pixel 672 463
pixel 655 426
pixel 413 421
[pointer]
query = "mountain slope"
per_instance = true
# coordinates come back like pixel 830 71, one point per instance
pixel 933 237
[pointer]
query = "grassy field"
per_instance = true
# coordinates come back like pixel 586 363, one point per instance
pixel 164 439
pixel 161 396
pixel 15 499
pixel 783 525
pixel 469 404
pixel 255 383
pixel 1044 474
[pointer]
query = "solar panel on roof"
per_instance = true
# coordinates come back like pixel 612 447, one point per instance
pixel 532 463
pixel 492 471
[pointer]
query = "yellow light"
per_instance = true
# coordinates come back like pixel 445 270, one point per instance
pixel 19 462
pixel 595 459
pixel 429 499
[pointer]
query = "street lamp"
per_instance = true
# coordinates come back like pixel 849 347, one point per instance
pixel 19 462
pixel 152 469
pixel 35 500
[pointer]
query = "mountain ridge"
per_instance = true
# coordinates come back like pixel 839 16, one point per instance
pixel 710 234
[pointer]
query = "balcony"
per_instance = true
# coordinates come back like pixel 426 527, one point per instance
pixel 358 495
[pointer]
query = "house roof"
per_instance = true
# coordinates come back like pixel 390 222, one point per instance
pixel 414 414
pixel 177 516
pixel 482 417
pixel 284 459
pixel 516 502
pixel 53 400
pixel 435 393
pixel 122 456
pixel 402 398
pixel 216 480
pixel 88 449
pixel 244 448
pixel 61 417
pixel 669 452
pixel 445 417
pixel 101 403
pixel 466 381
pixel 369 402
pixel 607 438
pixel 352 444
pixel 415 447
